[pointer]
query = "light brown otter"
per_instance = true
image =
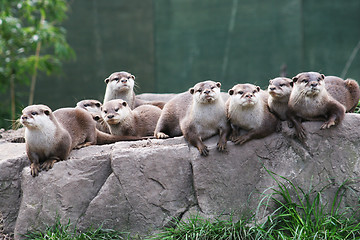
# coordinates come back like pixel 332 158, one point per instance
pixel 94 108
pixel 120 85
pixel 346 92
pixel 123 121
pixel 198 114
pixel 247 110
pixel 50 136
pixel 309 100
pixel 279 90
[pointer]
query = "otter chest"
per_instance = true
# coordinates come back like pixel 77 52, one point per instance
pixel 208 119
pixel 41 142
pixel 247 117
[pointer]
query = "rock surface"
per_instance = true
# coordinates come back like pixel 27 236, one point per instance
pixel 141 186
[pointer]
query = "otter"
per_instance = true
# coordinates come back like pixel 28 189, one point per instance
pixel 50 136
pixel 120 85
pixel 123 121
pixel 94 108
pixel 198 115
pixel 309 100
pixel 346 92
pixel 247 109
pixel 279 90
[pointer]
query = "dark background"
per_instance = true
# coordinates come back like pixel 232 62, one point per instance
pixel 169 45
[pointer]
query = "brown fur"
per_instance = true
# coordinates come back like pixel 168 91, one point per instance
pixel 309 100
pixel 94 108
pixel 279 90
pixel 120 85
pixel 123 121
pixel 344 91
pixel 247 110
pixel 50 136
pixel 189 114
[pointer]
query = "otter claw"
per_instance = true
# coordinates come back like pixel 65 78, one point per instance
pixel 161 135
pixel 34 169
pixel 327 125
pixel 204 151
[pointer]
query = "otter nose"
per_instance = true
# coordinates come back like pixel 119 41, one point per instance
pixel 314 84
pixel 207 91
pixel 123 80
pixel 24 117
pixel 110 116
pixel 248 95
pixel 272 88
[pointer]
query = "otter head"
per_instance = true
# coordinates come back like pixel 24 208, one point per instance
pixel 115 111
pixel 245 95
pixel 120 81
pixel 206 92
pixel 310 83
pixel 36 117
pixel 280 87
pixel 92 106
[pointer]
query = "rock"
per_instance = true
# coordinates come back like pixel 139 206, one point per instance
pixel 141 186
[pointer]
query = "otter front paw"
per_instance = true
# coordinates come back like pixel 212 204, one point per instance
pixel 327 124
pixel 161 135
pixel 204 151
pixel 48 164
pixel 34 169
pixel 221 146
pixel 241 140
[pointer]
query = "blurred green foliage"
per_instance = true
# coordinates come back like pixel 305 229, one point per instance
pixel 25 25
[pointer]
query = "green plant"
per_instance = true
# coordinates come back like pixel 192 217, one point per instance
pixel 31 40
pixel 59 231
pixel 304 215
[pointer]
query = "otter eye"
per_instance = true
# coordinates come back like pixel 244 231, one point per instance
pixel 116 109
pixel 33 113
pixel 199 90
pixel 116 79
pixel 212 87
pixel 240 92
pixel 305 81
pixel 105 111
pixel 254 91
pixel 319 79
pixel 282 84
pixel 86 105
pixel 97 105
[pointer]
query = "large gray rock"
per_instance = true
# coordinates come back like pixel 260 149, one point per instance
pixel 141 186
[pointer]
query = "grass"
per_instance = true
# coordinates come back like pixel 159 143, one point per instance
pixel 59 231
pixel 296 214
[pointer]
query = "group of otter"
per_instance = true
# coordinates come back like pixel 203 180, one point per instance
pixel 246 112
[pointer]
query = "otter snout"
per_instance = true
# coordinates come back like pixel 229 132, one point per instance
pixel 248 95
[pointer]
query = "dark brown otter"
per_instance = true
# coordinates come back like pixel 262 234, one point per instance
pixel 247 110
pixel 309 100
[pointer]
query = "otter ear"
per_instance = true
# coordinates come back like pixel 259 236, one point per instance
pixel 47 112
pixel 124 104
pixel 218 84
pixel 192 90
pixel 294 79
pixel 107 80
pixel 258 88
pixel 322 76
pixel 133 77
pixel 270 81
pixel 231 92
